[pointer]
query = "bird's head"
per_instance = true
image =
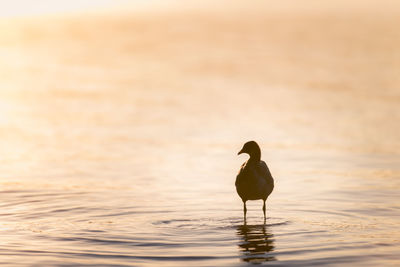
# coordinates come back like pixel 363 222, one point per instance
pixel 252 149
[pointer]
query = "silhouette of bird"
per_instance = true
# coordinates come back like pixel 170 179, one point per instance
pixel 254 180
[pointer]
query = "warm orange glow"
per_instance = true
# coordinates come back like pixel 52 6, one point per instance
pixel 120 122
pixel 45 7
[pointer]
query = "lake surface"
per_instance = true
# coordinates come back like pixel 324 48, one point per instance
pixel 119 134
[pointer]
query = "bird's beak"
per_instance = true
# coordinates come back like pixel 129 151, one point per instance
pixel 240 152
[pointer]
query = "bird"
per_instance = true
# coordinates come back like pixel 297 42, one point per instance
pixel 254 180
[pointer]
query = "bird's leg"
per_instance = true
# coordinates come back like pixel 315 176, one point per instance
pixel 264 209
pixel 244 211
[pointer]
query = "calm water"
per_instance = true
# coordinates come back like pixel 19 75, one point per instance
pixel 119 134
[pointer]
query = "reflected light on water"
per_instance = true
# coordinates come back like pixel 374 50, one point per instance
pixel 119 133
pixel 45 7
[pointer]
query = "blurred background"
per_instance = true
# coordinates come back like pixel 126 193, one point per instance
pixel 118 115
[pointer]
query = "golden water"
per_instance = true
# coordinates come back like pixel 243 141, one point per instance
pixel 119 133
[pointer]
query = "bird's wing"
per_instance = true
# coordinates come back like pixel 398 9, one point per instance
pixel 240 173
pixel 264 172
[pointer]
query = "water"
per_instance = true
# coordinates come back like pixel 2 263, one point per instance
pixel 119 134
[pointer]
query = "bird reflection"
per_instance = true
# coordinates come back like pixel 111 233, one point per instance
pixel 255 243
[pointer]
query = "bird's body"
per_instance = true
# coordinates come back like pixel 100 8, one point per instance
pixel 254 180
